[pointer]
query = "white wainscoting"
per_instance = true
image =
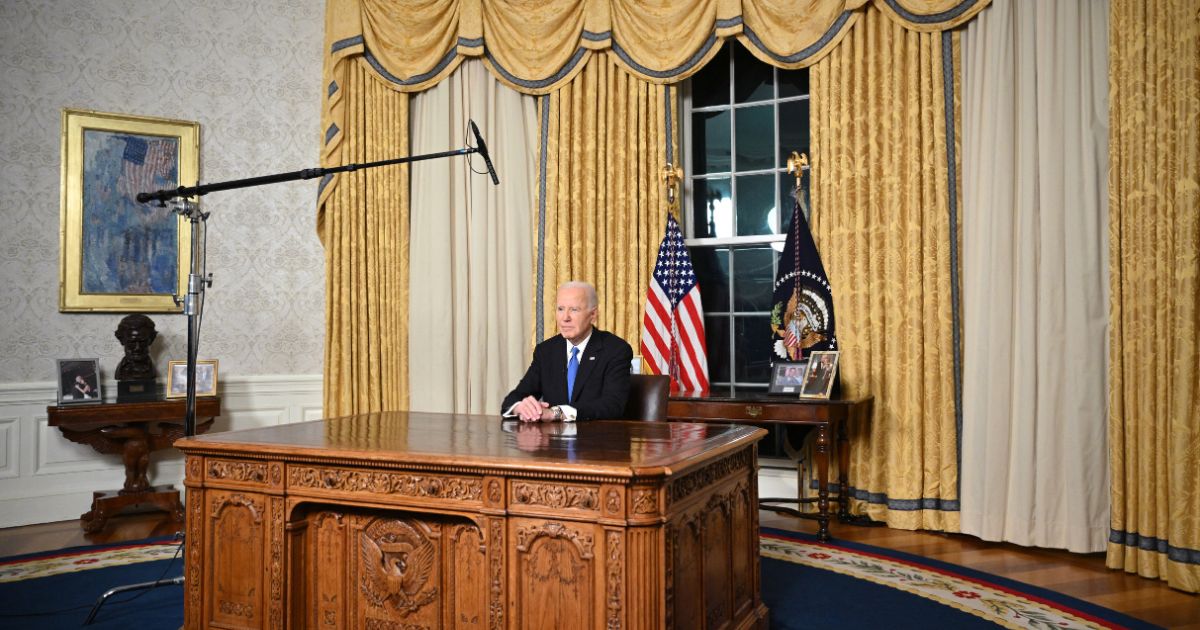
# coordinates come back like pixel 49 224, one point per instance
pixel 46 478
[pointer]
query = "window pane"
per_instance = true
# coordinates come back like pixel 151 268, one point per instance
pixel 755 137
pixel 710 86
pixel 793 83
pixel 712 208
pixel 756 204
pixel 793 129
pixel 753 79
pixel 716 338
pixel 753 338
pixel 720 391
pixel 753 278
pixel 712 275
pixel 710 142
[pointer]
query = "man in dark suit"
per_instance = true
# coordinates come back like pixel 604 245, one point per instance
pixel 580 373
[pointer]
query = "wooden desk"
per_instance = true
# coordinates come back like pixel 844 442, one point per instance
pixel 419 520
pixel 131 430
pixel 827 416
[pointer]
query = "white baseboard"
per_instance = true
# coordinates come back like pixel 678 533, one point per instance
pixel 776 482
pixel 46 478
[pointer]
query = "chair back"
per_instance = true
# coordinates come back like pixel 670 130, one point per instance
pixel 647 397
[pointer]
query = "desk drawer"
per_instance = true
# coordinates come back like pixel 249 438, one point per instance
pixel 750 411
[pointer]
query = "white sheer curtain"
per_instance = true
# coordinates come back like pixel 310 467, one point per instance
pixel 1035 274
pixel 471 245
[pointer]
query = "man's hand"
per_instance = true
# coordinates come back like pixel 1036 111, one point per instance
pixel 531 409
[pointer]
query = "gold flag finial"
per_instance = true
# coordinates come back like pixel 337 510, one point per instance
pixel 796 164
pixel 671 176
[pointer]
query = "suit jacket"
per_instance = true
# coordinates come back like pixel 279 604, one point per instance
pixel 601 385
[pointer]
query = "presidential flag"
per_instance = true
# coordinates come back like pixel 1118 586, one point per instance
pixel 673 328
pixel 802 316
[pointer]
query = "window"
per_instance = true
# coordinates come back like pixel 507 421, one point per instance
pixel 742 119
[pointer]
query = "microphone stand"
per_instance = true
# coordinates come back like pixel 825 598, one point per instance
pixel 197 280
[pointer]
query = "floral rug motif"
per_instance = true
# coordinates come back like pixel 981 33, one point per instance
pixel 992 602
pixel 84 558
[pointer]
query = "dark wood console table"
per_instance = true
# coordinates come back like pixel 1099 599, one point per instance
pixel 131 430
pixel 829 417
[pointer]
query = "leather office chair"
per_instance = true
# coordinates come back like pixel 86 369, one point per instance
pixel 647 397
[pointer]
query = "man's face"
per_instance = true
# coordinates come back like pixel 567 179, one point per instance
pixel 574 317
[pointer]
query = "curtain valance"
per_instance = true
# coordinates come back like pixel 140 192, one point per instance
pixel 536 46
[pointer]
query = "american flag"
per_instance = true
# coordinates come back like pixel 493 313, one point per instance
pixel 146 166
pixel 673 328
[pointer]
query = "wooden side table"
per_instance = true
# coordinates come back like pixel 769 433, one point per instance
pixel 132 430
pixel 829 417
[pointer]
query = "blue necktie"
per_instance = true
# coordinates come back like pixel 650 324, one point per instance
pixel 572 370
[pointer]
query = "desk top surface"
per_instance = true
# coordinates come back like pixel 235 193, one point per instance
pixel 611 447
pixel 762 398
pixel 85 415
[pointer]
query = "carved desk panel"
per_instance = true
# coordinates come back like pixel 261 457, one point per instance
pixel 413 520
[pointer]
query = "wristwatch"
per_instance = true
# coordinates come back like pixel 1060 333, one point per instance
pixel 558 413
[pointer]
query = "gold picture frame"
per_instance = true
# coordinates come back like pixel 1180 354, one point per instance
pixel 118 255
pixel 820 375
pixel 206 378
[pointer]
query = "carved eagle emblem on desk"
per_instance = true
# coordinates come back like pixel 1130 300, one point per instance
pixel 395 562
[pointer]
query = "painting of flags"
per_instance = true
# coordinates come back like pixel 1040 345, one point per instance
pixel 673 327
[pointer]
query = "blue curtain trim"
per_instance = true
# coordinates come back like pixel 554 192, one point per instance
pixel 597 37
pixel 903 505
pixel 346 43
pixel 955 287
pixel 333 86
pixel 470 43
pixel 944 16
pixel 539 83
pixel 324 182
pixel 330 133
pixel 667 111
pixel 1150 543
pixel 667 74
pixel 807 52
pixel 541 228
pixel 420 78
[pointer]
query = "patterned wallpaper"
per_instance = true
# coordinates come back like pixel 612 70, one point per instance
pixel 249 73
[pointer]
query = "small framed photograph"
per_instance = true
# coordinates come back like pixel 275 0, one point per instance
pixel 818 379
pixel 206 378
pixel 78 381
pixel 787 377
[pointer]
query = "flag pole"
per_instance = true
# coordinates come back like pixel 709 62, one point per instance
pixel 672 175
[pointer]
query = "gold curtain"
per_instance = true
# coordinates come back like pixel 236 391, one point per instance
pixel 884 186
pixel 362 221
pixel 601 206
pixel 538 46
pixel 1154 236
pixel 602 67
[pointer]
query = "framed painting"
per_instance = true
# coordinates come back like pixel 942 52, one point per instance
pixel 119 255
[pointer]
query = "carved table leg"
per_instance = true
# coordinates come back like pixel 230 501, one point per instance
pixel 843 453
pixel 822 456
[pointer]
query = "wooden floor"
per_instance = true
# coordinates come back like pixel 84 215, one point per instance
pixel 1081 576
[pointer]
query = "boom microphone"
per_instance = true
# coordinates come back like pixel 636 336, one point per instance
pixel 484 152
